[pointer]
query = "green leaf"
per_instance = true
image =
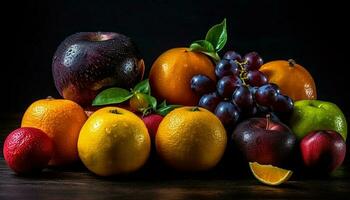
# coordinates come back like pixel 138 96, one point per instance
pixel 165 110
pixel 202 46
pixel 163 104
pixel 151 101
pixel 112 96
pixel 213 55
pixel 217 35
pixel 143 87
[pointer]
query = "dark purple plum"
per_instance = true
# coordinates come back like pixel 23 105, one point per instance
pixel 85 63
pixel 209 101
pixel 202 84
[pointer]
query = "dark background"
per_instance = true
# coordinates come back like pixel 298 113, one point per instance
pixel 308 32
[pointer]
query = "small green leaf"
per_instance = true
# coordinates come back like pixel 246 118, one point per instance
pixel 163 104
pixel 165 110
pixel 213 55
pixel 112 96
pixel 143 87
pixel 217 35
pixel 202 46
pixel 151 101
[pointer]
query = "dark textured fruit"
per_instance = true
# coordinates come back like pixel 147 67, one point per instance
pixel 209 101
pixel 202 84
pixel 264 142
pixel 226 68
pixel 228 113
pixel 323 151
pixel 227 85
pixel 27 150
pixel 232 55
pixel 243 98
pixel 254 61
pixel 283 104
pixel 87 62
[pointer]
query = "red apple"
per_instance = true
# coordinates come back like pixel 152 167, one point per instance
pixel 264 141
pixel 86 63
pixel 323 150
pixel 27 150
pixel 152 122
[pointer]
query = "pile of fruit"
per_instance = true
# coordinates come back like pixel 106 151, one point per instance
pixel 193 108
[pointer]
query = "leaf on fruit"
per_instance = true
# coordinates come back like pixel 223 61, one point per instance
pixel 143 87
pixel 151 101
pixel 205 47
pixel 217 35
pixel 166 109
pixel 112 96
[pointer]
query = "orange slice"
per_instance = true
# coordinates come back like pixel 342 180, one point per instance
pixel 269 174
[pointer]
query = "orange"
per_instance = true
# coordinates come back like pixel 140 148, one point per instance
pixel 191 139
pixel 61 120
pixel 269 174
pixel 293 79
pixel 113 141
pixel 171 74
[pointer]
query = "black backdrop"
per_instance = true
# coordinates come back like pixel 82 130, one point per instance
pixel 309 33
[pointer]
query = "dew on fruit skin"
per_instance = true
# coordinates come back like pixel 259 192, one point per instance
pixel 70 55
pixel 108 130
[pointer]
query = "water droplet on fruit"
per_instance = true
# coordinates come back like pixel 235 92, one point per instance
pixel 108 130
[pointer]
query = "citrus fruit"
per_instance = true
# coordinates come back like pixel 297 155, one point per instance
pixel 293 79
pixel 138 102
pixel 269 174
pixel 61 120
pixel 191 139
pixel 27 150
pixel 171 74
pixel 113 141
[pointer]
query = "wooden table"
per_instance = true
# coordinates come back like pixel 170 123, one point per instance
pixel 157 182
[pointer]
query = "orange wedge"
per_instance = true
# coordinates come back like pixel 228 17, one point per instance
pixel 269 174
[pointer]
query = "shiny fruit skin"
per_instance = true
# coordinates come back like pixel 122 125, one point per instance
pixel 27 150
pixel 228 113
pixel 225 68
pixel 61 120
pixel 113 141
pixel 85 63
pixel 293 79
pixel 266 95
pixel 152 122
pixel 227 85
pixel 209 101
pixel 201 84
pixel 256 78
pixel 254 61
pixel 171 74
pixel 191 139
pixel 138 102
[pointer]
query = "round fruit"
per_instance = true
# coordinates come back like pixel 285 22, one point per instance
pixel 232 55
pixel 227 85
pixel 113 141
pixel 201 84
pixel 254 61
pixel 209 101
pixel 61 120
pixel 266 95
pixel 87 62
pixel 191 139
pixel 27 150
pixel 171 75
pixel 256 78
pixel 226 68
pixel 293 79
pixel 138 102
pixel 152 122
pixel 228 113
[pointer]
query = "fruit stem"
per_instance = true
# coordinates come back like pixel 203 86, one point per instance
pixel 195 109
pixel 242 71
pixel 268 118
pixel 115 111
pixel 291 63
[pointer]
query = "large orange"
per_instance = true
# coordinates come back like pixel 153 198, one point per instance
pixel 171 75
pixel 293 79
pixel 61 120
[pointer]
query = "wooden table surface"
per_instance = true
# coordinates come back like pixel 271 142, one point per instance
pixel 158 182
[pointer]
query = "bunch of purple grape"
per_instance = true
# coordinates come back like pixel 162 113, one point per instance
pixel 241 92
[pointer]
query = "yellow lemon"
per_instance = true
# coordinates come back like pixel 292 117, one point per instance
pixel 113 141
pixel 191 139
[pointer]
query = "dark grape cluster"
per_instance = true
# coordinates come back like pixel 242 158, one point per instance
pixel 242 91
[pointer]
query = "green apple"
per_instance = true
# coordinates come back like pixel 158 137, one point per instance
pixel 313 115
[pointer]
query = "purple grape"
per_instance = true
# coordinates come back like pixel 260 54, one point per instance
pixel 209 101
pixel 202 84
pixel 276 87
pixel 283 104
pixel 256 78
pixel 226 67
pixel 243 98
pixel 227 85
pixel 232 55
pixel 266 95
pixel 228 113
pixel 254 61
